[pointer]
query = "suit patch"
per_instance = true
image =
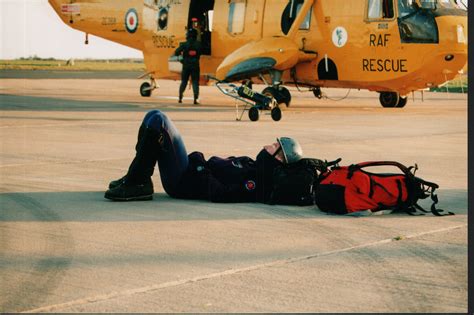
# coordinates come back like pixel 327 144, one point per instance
pixel 250 185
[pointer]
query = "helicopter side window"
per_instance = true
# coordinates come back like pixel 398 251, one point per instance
pixel 236 16
pixel 380 9
pixel 305 25
pixel 290 13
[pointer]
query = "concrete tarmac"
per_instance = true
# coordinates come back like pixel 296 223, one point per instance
pixel 64 248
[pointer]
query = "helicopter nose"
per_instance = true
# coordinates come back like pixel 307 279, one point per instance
pixel 453 35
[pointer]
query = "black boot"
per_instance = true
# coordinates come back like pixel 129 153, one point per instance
pixel 137 184
pixel 131 192
pixel 120 181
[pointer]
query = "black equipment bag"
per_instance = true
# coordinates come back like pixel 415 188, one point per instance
pixel 293 184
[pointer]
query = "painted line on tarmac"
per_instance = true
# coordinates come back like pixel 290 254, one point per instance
pixel 131 292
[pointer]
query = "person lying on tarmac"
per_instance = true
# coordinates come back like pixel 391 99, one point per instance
pixel 232 179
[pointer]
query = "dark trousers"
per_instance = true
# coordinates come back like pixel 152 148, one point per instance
pixel 159 142
pixel 194 72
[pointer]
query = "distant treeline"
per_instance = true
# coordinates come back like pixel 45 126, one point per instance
pixel 122 60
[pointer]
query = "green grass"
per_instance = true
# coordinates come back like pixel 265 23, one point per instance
pixel 79 65
pixel 458 85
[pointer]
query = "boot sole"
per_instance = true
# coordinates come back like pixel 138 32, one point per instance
pixel 135 198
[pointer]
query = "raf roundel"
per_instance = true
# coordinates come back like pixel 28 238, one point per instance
pixel 131 21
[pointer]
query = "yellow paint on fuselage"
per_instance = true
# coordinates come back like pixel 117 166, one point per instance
pixel 373 58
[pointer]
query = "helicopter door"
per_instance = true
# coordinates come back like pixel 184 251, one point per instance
pixel 237 22
pixel 200 17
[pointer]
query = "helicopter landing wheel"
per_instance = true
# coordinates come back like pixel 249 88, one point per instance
pixel 145 89
pixel 402 102
pixel 389 99
pixel 285 93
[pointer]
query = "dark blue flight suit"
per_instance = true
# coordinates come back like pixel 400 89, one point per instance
pixel 191 51
pixel 232 179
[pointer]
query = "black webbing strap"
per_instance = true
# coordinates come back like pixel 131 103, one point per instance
pixel 435 211
pixel 333 163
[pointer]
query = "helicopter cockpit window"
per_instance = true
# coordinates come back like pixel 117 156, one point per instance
pixel 453 4
pixel 406 7
pixel 380 9
pixel 236 16
pixel 416 24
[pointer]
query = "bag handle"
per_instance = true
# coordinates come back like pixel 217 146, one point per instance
pixel 403 168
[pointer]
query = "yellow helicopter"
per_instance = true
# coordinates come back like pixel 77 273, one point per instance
pixel 392 47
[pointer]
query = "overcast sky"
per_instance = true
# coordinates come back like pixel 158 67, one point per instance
pixel 32 27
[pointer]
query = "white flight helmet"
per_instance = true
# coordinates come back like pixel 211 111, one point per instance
pixel 291 149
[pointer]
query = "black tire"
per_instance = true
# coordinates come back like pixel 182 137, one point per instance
pixel 145 89
pixel 281 96
pixel 276 114
pixel 402 102
pixel 254 114
pixel 285 93
pixel 389 99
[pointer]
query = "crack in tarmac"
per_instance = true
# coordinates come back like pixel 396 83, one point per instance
pixel 229 272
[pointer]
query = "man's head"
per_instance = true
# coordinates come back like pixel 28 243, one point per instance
pixel 286 150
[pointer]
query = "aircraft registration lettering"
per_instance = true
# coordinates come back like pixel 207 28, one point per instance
pixel 109 20
pixel 164 41
pixel 384 65
pixel 379 40
pixel 162 3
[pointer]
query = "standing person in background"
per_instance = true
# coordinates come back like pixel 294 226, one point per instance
pixel 191 52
